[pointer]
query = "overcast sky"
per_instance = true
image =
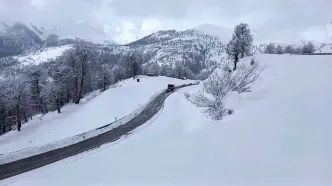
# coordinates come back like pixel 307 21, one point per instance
pixel 127 20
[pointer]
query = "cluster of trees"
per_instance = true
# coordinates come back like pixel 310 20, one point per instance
pixel 196 51
pixel 238 79
pixel 35 89
pixel 191 65
pixel 216 87
pixel 272 48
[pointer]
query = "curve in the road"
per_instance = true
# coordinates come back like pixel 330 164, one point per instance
pixel 23 165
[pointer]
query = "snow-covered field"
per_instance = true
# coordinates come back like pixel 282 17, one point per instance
pixel 43 55
pixel 280 134
pixel 109 106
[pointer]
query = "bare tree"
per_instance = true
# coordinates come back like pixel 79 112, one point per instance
pixel 219 84
pixel 79 60
pixel 279 49
pixel 308 48
pixel 36 79
pixel 52 94
pixel 133 64
pixel 118 73
pixel 289 49
pixel 18 95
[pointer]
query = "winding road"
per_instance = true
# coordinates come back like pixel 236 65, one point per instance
pixel 23 165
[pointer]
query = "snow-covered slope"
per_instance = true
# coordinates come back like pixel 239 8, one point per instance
pixel 42 55
pixel 109 106
pixel 17 38
pixel 278 135
pixel 327 48
pixel 42 32
pixel 171 47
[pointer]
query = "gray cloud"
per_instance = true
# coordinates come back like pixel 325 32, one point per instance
pixel 125 20
pixel 150 8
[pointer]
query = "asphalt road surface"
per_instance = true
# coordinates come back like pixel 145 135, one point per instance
pixel 23 165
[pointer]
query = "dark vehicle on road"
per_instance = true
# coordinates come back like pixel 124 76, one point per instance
pixel 170 88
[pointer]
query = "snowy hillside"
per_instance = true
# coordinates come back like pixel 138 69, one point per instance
pixel 17 39
pixel 41 31
pixel 196 49
pixel 20 38
pixel 278 135
pixel 109 106
pixel 42 55
pixel 171 47
pixel 327 48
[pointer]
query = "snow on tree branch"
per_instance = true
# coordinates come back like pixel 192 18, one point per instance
pixel 219 84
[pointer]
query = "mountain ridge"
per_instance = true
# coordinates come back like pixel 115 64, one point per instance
pixel 193 47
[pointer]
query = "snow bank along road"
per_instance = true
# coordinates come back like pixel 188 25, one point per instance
pixel 23 165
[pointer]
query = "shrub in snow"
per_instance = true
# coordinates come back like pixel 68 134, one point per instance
pixel 230 111
pixel 187 95
pixel 252 61
pixel 219 84
pixel 227 68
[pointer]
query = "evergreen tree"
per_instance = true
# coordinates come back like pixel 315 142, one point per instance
pixel 241 43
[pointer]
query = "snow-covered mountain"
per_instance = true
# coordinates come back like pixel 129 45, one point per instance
pixel 42 55
pixel 193 49
pixel 170 47
pixel 17 39
pixel 199 48
pixel 224 34
pixel 42 32
pixel 21 38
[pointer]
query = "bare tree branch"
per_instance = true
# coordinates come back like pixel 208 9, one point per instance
pixel 219 84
